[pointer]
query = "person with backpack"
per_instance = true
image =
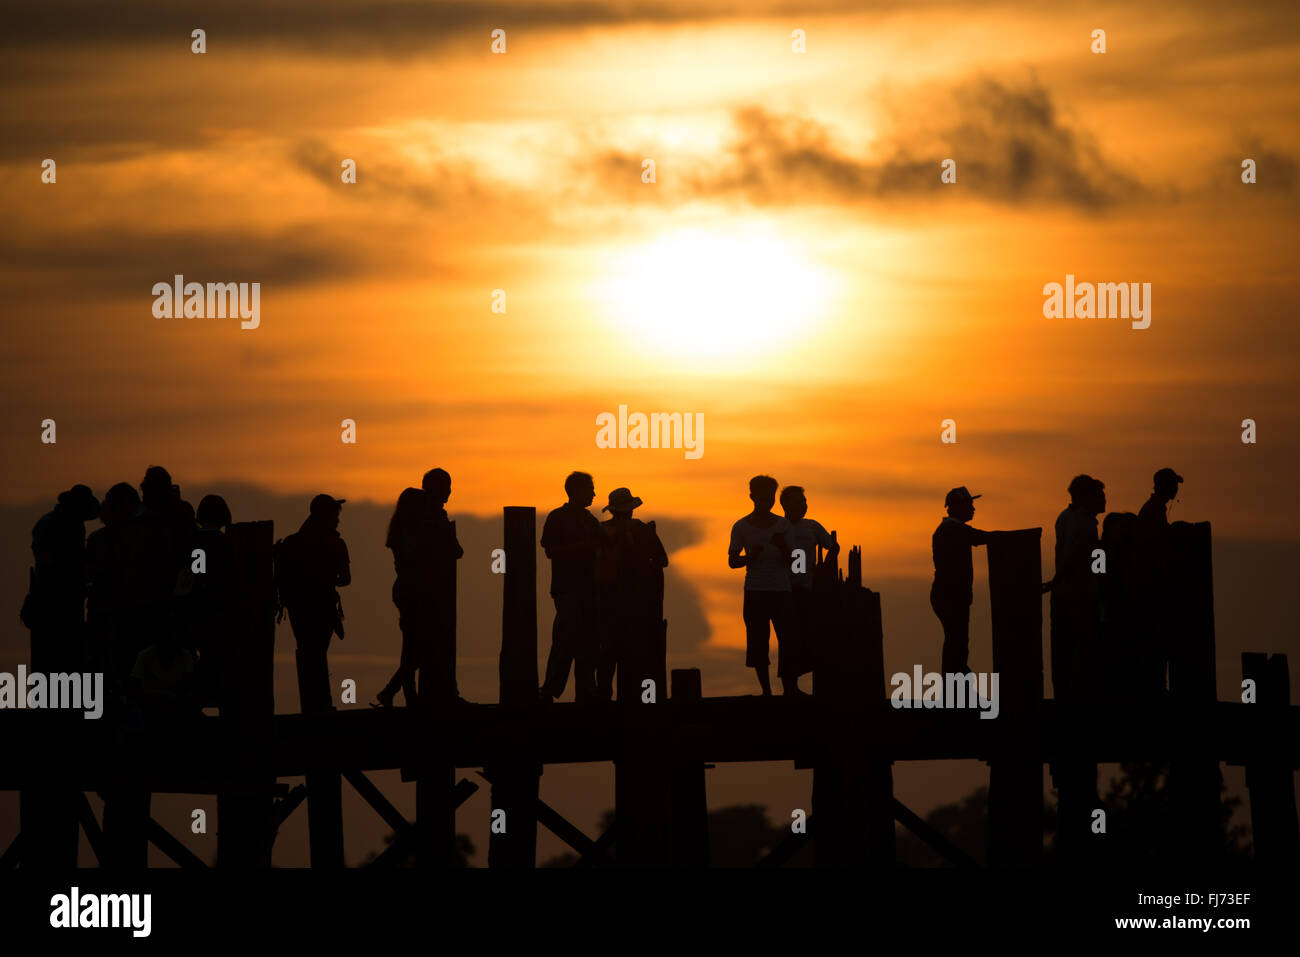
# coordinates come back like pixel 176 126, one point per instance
pixel 630 575
pixel 310 566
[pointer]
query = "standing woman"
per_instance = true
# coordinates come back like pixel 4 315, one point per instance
pixel 407 537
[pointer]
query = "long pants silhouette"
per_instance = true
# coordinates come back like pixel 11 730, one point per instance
pixel 312 629
pixel 627 628
pixel 574 640
pixel 955 618
pixel 429 648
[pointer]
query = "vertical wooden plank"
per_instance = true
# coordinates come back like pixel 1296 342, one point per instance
pixel 690 806
pixel 1275 834
pixel 246 801
pixel 1015 836
pixel 853 796
pixel 515 782
pixel 1195 779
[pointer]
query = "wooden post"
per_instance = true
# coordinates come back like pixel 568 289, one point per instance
pixel 246 801
pixel 1015 835
pixel 690 811
pixel 1194 778
pixel 515 782
pixel 853 789
pixel 1275 834
pixel 435 784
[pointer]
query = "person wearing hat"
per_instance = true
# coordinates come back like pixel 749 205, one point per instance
pixel 951 594
pixel 630 574
pixel 1076 592
pixel 310 566
pixel 55 608
pixel 1154 516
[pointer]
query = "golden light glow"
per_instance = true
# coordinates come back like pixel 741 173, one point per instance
pixel 711 293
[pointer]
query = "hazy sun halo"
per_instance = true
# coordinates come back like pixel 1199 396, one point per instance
pixel 712 293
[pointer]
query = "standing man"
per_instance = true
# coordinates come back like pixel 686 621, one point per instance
pixel 571 539
pixel 759 545
pixel 951 594
pixel 1075 590
pixel 1076 623
pixel 804 536
pixel 630 573
pixel 1153 563
pixel 311 565
pixel 438 670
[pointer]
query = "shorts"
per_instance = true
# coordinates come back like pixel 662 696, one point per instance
pixel 777 607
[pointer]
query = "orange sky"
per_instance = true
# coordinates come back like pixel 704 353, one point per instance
pixel 797 273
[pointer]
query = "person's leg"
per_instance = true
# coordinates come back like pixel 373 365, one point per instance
pixel 313 635
pixel 586 648
pixel 756 619
pixel 789 649
pixel 611 620
pixel 561 654
pixel 956 639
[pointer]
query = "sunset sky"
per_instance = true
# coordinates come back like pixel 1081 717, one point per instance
pixel 797 273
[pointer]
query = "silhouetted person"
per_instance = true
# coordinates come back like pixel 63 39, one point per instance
pixel 951 594
pixel 1154 577
pixel 424 546
pixel 205 600
pixel 630 572
pixel 571 538
pixel 1075 629
pixel 411 564
pixel 438 666
pixel 311 565
pixel 157 547
pixel 1075 590
pixel 805 535
pixel 55 607
pixel 54 610
pixel 758 545
pixel 1154 514
pixel 106 559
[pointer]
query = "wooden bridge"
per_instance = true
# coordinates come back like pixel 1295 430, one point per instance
pixel 847 732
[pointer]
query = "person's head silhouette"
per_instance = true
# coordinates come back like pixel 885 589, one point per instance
pixel 1165 484
pixel 794 502
pixel 960 504
pixel 213 512
pixel 325 509
pixel 581 489
pixel 762 492
pixel 437 485
pixel 622 503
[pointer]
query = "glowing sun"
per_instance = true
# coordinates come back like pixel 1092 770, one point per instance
pixel 709 293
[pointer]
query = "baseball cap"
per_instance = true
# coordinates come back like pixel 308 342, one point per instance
pixel 959 494
pixel 324 504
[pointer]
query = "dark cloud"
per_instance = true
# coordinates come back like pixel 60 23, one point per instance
pixel 1010 143
pixel 387 27
pixel 117 261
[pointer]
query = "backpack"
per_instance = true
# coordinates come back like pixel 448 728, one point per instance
pixel 289 560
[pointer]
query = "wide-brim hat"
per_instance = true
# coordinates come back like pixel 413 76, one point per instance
pixel 621 500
